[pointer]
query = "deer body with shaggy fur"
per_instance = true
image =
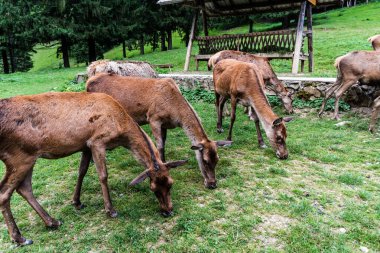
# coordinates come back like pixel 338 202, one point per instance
pixel 55 125
pixel 375 42
pixel 160 103
pixel 243 82
pixel 357 66
pixel 122 68
pixel 271 80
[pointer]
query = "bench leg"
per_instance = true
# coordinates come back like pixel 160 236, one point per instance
pixel 302 66
pixel 196 64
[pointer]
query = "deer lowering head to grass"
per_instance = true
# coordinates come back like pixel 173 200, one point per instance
pixel 55 125
pixel 271 80
pixel 357 66
pixel 243 82
pixel 160 103
pixel 375 42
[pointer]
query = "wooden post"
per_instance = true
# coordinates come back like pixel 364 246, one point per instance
pixel 298 45
pixel 190 44
pixel 205 28
pixel 310 36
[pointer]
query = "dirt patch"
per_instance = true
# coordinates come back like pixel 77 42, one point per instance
pixel 267 230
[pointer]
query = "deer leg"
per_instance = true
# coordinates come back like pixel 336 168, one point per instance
pixel 233 116
pixel 83 167
pixel 258 130
pixel 338 93
pixel 329 92
pixel 160 135
pixel 99 156
pixel 26 191
pixel 219 127
pixel 15 174
pixel 375 114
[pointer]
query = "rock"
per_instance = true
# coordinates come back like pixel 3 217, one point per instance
pixel 342 230
pixel 364 249
pixel 312 91
pixel 81 78
pixel 343 123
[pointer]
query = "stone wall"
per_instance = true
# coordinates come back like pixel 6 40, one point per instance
pixel 307 88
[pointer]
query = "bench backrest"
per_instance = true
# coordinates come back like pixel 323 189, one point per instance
pixel 282 41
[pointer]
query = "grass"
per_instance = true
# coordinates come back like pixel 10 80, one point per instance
pixel 336 33
pixel 330 181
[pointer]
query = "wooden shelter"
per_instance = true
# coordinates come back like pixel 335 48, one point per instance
pixel 282 44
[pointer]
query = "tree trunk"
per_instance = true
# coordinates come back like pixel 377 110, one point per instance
pixel 124 50
pixel 170 39
pixel 250 26
pixel 155 41
pixel 141 44
pixel 91 49
pixel 5 61
pixel 65 51
pixel 163 40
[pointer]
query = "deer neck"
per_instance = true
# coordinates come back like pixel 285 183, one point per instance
pixel 192 126
pixel 263 110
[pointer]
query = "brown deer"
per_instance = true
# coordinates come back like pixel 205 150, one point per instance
pixel 243 82
pixel 271 80
pixel 55 125
pixel 160 103
pixel 357 66
pixel 375 42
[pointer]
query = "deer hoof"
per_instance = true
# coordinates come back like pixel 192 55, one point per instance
pixel 220 130
pixel 24 242
pixel 263 146
pixel 112 213
pixel 53 224
pixel 78 205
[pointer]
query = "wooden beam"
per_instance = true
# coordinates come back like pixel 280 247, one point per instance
pixel 310 36
pixel 190 44
pixel 313 2
pixel 298 44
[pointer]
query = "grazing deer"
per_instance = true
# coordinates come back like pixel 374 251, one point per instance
pixel 160 103
pixel 55 125
pixel 375 42
pixel 357 66
pixel 243 82
pixel 271 80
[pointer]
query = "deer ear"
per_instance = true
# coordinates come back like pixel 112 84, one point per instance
pixel 277 122
pixel 287 119
pixel 223 143
pixel 198 147
pixel 175 164
pixel 140 178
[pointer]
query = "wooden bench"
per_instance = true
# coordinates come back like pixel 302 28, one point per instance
pixel 274 45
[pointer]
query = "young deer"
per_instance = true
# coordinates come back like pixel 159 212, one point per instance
pixel 55 125
pixel 357 66
pixel 271 80
pixel 243 82
pixel 375 42
pixel 375 114
pixel 160 103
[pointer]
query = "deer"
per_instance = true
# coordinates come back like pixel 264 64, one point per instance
pixel 159 103
pixel 356 66
pixel 375 114
pixel 271 80
pixel 375 42
pixel 242 81
pixel 56 125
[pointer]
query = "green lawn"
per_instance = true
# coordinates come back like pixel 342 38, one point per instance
pixel 325 197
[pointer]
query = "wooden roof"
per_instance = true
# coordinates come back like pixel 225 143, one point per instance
pixel 238 7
